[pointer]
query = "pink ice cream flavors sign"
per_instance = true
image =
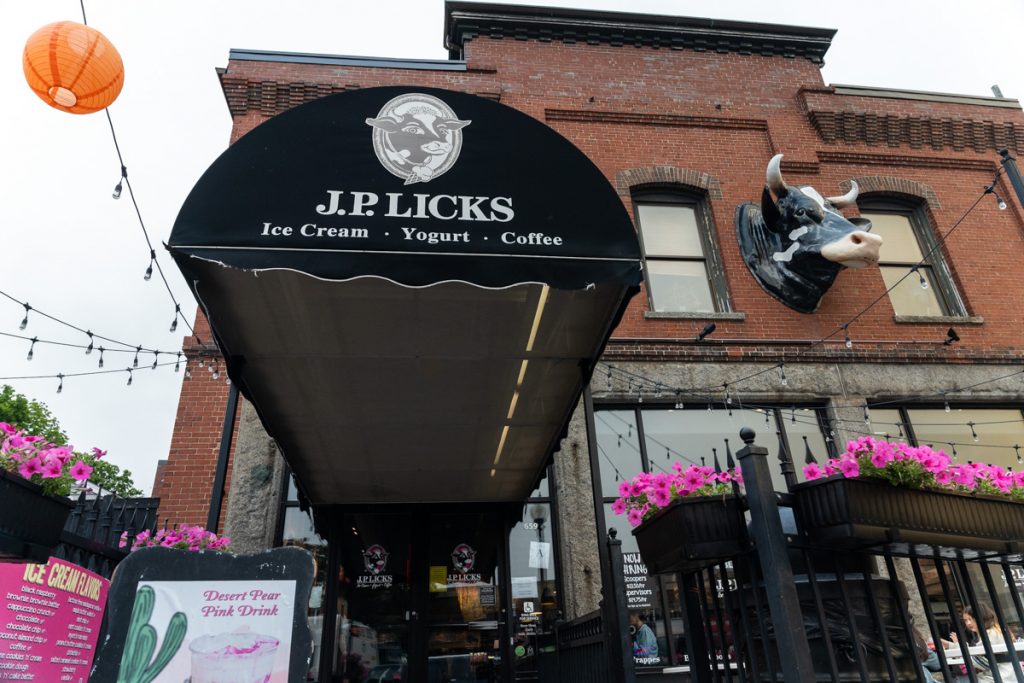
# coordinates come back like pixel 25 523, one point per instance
pixel 50 616
pixel 213 631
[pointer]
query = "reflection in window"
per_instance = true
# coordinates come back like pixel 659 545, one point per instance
pixel 618 448
pixel 299 531
pixel 997 431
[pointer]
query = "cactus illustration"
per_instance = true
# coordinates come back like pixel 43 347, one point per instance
pixel 137 663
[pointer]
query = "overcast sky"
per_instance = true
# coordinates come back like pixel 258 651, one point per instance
pixel 72 251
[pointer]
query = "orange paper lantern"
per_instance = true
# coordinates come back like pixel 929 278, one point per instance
pixel 73 67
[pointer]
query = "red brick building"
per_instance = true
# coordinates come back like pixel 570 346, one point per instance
pixel 682 117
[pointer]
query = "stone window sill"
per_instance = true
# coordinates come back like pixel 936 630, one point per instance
pixel 941 319
pixel 695 315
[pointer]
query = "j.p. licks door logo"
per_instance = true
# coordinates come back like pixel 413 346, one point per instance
pixel 375 560
pixel 463 561
pixel 417 137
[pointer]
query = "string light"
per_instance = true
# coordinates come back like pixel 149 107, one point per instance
pixel 792 414
pixel 60 386
pixel 24 321
pixel 848 341
pixel 728 396
pixel 920 276
pixel 177 312
pixel 867 416
pixel 156 356
pixel 945 403
pixel 610 368
pixel 974 434
pixel 135 361
pixel 120 186
pixel 31 348
pixel 679 400
pixel 953 447
pixel 88 349
pixel 177 363
pixel 101 356
pixel 991 189
pixel 149 269
pixel 1016 448
pixel 129 377
pixel 782 374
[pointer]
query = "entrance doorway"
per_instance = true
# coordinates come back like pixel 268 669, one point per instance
pixel 419 596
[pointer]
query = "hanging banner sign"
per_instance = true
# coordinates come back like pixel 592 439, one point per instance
pixel 50 617
pixel 639 587
pixel 208 617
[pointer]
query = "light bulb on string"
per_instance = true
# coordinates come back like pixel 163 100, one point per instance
pixel 31 348
pixel 24 321
pixel 629 431
pixel 639 393
pixel 200 361
pixel 974 434
pixel 953 447
pixel 766 422
pixel 920 277
pixel 88 349
pixel 782 375
pixel 679 400
pixel 129 377
pixel 1016 448
pixel 945 404
pixel 728 396
pixel 149 269
pixel 227 381
pixel 135 361
pixel 610 378
pixel 867 416
pixel 668 453
pixel 119 187
pixel 101 356
pixel 156 356
pixel 792 414
pixel 177 363
pixel 657 391
pixel 710 409
pixel 899 426
pixel 848 341
pixel 60 385
pixel 619 442
pixel 216 373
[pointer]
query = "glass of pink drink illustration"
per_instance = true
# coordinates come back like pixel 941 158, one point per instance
pixel 233 658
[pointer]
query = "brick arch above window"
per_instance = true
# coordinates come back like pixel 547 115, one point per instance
pixel 900 187
pixel 632 179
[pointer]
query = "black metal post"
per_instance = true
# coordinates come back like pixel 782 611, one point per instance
pixel 1013 174
pixel 772 551
pixel 620 645
pixel 219 479
pixel 693 627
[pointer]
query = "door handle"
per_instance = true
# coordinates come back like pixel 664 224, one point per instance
pixel 411 615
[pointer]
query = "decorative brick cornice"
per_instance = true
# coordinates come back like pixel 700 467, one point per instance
pixel 273 97
pixel 649 119
pixel 467 20
pixel 859 127
pixel 895 186
pixel 632 178
pixel 903 160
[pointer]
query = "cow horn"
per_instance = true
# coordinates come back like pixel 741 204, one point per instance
pixel 775 181
pixel 848 199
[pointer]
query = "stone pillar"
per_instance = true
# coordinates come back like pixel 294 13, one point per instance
pixel 254 501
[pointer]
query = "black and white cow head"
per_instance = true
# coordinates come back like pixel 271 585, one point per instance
pixel 417 137
pixel 796 244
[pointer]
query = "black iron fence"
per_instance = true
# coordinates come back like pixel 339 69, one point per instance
pixel 896 607
pixel 92 534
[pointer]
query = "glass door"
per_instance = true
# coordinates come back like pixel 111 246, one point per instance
pixel 462 607
pixel 375 603
pixel 418 598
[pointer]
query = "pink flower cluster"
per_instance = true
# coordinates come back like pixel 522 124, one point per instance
pixel 647 493
pixel 918 467
pixel 41 462
pixel 185 537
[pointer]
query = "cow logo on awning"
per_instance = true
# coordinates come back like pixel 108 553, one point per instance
pixel 417 137
pixel 376 559
pixel 463 558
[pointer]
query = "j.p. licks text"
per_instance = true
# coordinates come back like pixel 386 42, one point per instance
pixel 397 205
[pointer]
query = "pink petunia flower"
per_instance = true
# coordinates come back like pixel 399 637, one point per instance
pixel 943 477
pixel 80 471
pixel 52 469
pixel 850 468
pixel 634 517
pixel 619 506
pixel 30 467
pixel 661 497
pixel 813 471
pixel 97 453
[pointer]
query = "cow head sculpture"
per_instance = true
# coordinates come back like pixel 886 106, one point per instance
pixel 796 243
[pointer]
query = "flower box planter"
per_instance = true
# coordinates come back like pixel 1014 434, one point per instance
pixel 852 513
pixel 30 521
pixel 692 533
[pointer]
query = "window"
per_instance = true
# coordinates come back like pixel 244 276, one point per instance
pixel 683 271
pixel 630 439
pixel 907 239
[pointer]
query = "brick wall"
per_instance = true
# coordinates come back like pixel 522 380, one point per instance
pixel 715 118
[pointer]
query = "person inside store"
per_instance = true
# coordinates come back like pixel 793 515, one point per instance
pixel 645 643
pixel 982 665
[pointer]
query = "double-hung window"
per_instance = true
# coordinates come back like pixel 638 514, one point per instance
pixel 909 246
pixel 684 274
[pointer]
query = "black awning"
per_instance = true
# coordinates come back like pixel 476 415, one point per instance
pixel 411 286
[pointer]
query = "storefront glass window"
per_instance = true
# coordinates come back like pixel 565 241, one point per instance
pixel 298 531
pixel 618 448
pixel 997 431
